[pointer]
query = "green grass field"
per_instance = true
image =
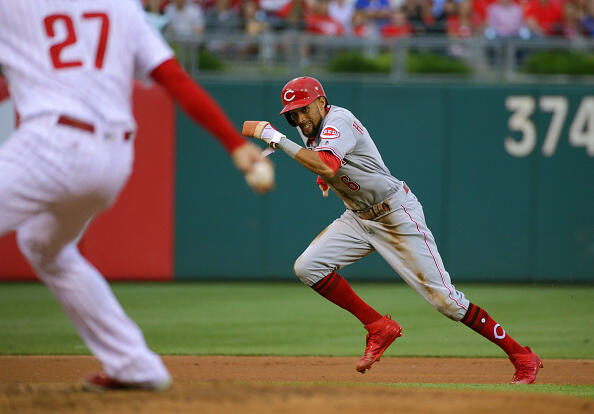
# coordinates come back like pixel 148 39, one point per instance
pixel 290 319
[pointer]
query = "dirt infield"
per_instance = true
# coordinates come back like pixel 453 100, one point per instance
pixel 286 385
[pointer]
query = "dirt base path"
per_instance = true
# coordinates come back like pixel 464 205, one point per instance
pixel 286 385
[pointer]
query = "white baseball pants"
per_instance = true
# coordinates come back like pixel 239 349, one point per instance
pixel 401 237
pixel 53 180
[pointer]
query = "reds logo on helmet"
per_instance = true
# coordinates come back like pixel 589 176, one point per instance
pixel 300 92
pixel 289 95
pixel 330 132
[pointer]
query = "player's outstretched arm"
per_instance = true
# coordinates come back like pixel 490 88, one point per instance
pixel 312 160
pixel 204 110
pixel 197 103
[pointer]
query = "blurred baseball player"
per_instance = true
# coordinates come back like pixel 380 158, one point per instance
pixel 382 214
pixel 70 67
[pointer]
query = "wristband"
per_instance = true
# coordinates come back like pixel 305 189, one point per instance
pixel 289 147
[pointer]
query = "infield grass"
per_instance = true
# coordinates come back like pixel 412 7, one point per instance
pixel 290 319
pixel 581 391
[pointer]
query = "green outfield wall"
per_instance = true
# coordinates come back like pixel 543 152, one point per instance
pixel 505 175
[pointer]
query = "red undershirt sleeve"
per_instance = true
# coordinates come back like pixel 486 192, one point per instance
pixel 197 103
pixel 330 160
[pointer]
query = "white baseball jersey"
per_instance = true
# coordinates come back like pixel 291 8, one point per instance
pixel 70 65
pixel 363 179
pixel 77 58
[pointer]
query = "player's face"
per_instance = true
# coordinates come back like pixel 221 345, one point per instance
pixel 309 118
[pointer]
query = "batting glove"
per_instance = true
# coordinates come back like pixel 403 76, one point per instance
pixel 262 130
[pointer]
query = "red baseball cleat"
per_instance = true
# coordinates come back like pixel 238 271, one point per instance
pixel 99 381
pixel 527 365
pixel 381 334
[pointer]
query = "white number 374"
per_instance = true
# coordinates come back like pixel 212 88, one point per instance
pixel 581 131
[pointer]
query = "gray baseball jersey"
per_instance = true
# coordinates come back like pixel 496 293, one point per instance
pixel 363 179
pixel 398 232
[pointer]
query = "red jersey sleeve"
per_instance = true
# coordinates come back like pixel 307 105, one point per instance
pixel 197 103
pixel 330 160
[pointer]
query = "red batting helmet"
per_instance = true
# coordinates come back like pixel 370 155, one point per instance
pixel 300 92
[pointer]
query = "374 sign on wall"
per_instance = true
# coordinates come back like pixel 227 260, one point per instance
pixel 581 127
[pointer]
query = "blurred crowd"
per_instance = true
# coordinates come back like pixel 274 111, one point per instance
pixel 491 19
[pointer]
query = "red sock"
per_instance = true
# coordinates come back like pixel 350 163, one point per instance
pixel 478 320
pixel 338 291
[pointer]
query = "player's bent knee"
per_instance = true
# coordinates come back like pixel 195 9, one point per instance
pixel 300 270
pixel 41 255
pixel 310 269
pixel 32 249
pixel 304 269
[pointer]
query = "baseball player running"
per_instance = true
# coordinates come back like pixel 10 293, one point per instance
pixel 382 214
pixel 70 67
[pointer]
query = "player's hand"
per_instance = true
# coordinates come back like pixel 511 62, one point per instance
pixel 258 170
pixel 323 186
pixel 245 156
